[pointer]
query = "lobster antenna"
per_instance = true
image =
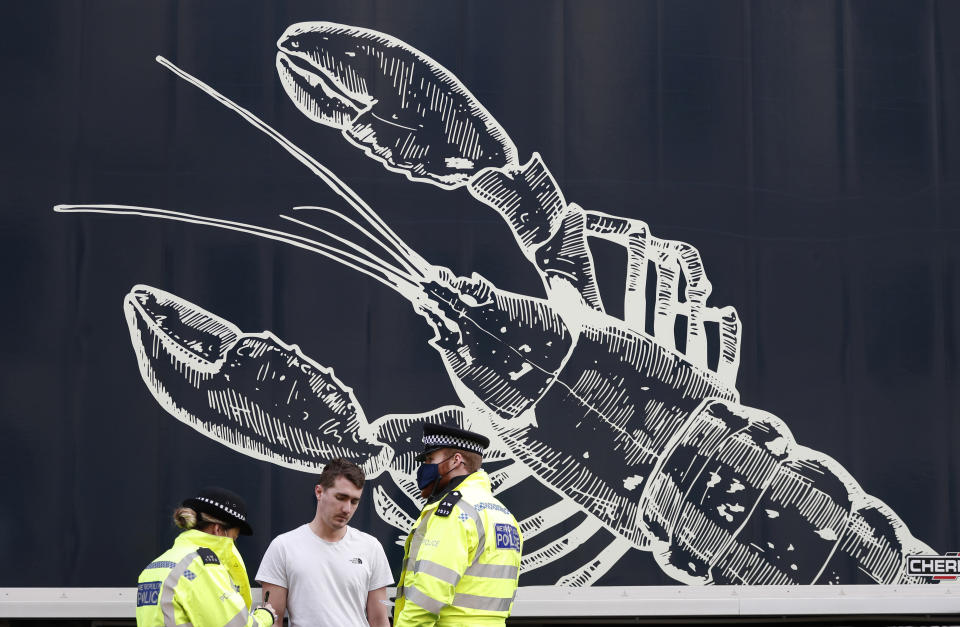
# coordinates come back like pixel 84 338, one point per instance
pixel 409 265
pixel 328 177
pixel 385 273
pixel 360 249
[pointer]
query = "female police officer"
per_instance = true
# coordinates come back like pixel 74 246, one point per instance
pixel 201 579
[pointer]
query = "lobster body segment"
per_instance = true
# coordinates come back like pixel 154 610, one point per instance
pixel 506 349
pixel 619 397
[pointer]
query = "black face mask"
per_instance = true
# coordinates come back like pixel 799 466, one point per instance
pixel 429 473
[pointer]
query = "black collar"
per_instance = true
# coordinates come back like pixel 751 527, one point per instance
pixel 436 496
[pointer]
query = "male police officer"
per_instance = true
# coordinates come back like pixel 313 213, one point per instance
pixel 462 557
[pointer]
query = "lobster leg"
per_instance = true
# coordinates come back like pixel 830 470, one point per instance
pixel 555 237
pixel 669 260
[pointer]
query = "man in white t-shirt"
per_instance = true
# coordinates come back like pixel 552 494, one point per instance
pixel 325 573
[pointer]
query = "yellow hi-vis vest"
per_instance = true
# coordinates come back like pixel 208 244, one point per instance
pixel 461 561
pixel 200 581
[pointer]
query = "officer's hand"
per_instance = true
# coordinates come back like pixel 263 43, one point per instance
pixel 270 609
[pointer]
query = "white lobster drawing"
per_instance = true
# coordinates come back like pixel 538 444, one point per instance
pixel 717 491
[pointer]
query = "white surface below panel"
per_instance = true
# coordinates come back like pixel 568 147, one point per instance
pixel 553 601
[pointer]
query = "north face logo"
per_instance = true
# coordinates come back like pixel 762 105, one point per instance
pixel 356 560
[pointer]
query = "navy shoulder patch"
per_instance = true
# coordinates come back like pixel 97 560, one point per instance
pixel 507 537
pixel 446 505
pixel 148 593
pixel 208 556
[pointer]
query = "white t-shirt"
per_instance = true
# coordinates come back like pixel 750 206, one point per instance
pixel 327 582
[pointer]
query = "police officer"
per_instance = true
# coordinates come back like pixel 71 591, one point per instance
pixel 201 580
pixel 462 557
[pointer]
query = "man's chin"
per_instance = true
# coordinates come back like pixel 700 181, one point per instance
pixel 431 489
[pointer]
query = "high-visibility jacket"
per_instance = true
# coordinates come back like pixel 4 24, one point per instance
pixel 461 561
pixel 200 581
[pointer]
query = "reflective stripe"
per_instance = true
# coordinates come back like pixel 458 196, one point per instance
pixel 494 571
pixel 441 572
pixel 185 625
pixel 481 533
pixel 412 593
pixel 239 620
pixel 418 535
pixel 160 564
pixel 170 585
pixel 474 602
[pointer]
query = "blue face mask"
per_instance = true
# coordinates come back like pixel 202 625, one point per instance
pixel 428 473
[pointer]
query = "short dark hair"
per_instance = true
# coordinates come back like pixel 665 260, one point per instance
pixel 341 467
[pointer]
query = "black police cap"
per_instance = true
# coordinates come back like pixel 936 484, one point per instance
pixel 436 437
pixel 223 505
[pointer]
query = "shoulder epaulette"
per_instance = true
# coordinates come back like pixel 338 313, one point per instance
pixel 446 505
pixel 208 556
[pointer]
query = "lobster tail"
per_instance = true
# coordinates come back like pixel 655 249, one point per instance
pixel 737 501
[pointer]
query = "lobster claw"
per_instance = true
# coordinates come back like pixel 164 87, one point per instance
pixel 248 391
pixel 398 104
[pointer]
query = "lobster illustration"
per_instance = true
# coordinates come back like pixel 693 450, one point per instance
pixel 719 492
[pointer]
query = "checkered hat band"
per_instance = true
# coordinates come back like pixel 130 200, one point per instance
pixel 232 512
pixel 449 441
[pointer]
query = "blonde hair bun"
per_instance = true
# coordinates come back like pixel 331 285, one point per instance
pixel 185 517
